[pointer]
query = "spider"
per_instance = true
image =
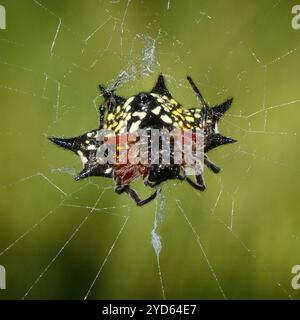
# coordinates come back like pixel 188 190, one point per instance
pixel 147 110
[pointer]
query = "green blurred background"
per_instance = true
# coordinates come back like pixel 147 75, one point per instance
pixel 243 235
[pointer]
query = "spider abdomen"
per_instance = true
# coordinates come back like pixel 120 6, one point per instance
pixel 152 111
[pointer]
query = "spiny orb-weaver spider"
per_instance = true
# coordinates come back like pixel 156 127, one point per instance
pixel 154 110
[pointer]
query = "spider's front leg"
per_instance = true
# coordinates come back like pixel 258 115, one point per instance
pixel 134 196
pixel 137 199
pixel 210 165
pixel 198 93
pixel 110 103
pixel 199 184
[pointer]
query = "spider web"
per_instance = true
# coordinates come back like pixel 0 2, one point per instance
pixel 63 239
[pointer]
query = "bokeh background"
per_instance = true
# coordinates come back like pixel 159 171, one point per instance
pixel 238 239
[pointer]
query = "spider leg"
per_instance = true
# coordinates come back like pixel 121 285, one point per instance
pixel 181 177
pixel 111 101
pixel 132 193
pixel 199 185
pixel 210 165
pixel 198 93
pixel 109 104
pixel 137 199
pixel 119 187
